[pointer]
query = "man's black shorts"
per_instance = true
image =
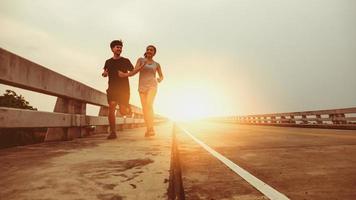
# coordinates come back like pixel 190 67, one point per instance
pixel 120 97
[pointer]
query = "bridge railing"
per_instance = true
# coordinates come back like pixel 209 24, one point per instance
pixel 69 119
pixel 344 118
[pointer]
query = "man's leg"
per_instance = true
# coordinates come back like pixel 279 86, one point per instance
pixel 124 105
pixel 112 119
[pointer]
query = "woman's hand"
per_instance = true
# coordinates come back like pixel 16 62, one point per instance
pixel 143 62
pixel 122 74
pixel 160 74
pixel 140 67
pixel 159 79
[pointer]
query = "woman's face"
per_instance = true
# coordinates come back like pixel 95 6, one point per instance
pixel 150 52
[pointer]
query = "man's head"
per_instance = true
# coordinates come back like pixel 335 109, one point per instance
pixel 116 46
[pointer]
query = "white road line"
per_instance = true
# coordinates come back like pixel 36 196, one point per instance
pixel 267 190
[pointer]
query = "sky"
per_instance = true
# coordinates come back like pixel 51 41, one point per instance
pixel 219 57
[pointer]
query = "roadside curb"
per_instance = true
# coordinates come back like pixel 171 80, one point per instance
pixel 175 187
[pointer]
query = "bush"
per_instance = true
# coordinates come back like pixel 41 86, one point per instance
pixel 18 136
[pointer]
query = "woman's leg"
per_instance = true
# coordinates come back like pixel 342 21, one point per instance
pixel 151 94
pixel 143 97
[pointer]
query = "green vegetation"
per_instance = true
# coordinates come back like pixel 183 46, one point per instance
pixel 18 136
pixel 12 100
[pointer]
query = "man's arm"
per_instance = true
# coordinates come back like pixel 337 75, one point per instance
pixel 105 72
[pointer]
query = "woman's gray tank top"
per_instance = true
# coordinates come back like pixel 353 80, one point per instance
pixel 147 78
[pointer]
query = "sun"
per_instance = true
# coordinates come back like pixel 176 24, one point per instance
pixel 188 103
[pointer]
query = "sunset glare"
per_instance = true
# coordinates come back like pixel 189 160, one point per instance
pixel 189 103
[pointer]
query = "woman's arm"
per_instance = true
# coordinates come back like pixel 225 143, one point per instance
pixel 139 65
pixel 160 74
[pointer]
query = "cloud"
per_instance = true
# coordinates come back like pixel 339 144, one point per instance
pixel 47 50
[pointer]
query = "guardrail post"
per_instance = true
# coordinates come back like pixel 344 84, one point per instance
pixel 120 127
pixel 132 125
pixel 264 119
pixel 292 119
pixel 304 119
pixel 283 119
pixel 135 124
pixel 318 119
pixel 72 107
pixel 104 112
pixel 343 120
pixel 332 118
pixel 273 119
pixel 125 125
pixel 258 120
pixel 339 118
pixel 252 120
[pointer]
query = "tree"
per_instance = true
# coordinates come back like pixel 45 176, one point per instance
pixel 17 136
pixel 12 100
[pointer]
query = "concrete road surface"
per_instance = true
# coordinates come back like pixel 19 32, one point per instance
pixel 294 163
pixel 130 167
pixel 300 163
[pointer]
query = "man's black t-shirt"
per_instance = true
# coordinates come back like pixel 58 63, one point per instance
pixel 113 66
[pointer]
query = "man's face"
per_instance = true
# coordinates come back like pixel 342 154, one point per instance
pixel 117 49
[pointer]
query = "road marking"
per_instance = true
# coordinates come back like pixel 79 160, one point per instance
pixel 267 190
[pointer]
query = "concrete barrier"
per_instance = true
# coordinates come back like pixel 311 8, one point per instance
pixel 343 118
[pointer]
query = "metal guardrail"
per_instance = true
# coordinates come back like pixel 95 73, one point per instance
pixel 69 118
pixel 344 118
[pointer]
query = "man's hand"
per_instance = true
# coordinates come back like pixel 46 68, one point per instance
pixel 105 73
